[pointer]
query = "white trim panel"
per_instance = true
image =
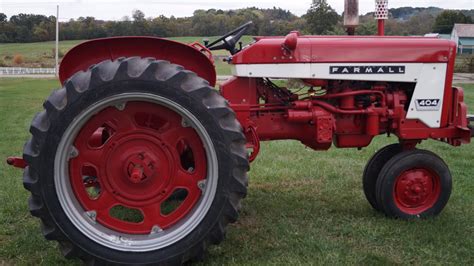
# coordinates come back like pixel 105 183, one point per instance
pixel 429 78
pixel 430 85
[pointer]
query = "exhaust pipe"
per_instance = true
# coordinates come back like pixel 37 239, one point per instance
pixel 351 16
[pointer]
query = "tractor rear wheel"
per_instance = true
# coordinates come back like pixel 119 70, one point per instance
pixel 414 184
pixel 372 171
pixel 135 161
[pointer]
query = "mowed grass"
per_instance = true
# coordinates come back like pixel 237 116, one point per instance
pixel 303 207
pixel 41 54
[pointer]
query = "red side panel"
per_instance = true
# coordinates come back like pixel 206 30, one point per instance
pixel 448 91
pixel 343 49
pixel 92 52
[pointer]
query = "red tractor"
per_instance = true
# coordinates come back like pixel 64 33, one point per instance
pixel 139 126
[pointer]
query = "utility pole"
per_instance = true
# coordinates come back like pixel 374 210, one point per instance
pixel 57 41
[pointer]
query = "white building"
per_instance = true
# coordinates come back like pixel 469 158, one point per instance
pixel 463 35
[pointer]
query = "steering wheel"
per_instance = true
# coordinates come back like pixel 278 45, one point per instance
pixel 229 40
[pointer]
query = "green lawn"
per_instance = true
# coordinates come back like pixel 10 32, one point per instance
pixel 302 207
pixel 41 54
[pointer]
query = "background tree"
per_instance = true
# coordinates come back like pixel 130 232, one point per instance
pixel 321 18
pixel 3 18
pixel 140 24
pixel 367 28
pixel 3 28
pixel 420 24
pixel 445 21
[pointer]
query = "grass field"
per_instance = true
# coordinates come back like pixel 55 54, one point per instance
pixel 303 206
pixel 42 54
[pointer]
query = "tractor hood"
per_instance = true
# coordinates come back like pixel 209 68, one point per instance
pixel 348 49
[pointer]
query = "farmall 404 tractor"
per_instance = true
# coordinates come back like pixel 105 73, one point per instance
pixel 139 126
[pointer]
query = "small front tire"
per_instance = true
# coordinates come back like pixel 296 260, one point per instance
pixel 414 184
pixel 372 171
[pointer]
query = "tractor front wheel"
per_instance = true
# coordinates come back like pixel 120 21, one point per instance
pixel 413 184
pixel 372 171
pixel 135 161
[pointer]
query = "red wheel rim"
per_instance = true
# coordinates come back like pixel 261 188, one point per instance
pixel 137 156
pixel 416 190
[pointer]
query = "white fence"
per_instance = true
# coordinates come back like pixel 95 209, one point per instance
pixel 26 71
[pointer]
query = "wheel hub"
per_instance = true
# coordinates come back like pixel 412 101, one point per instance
pixel 136 174
pixel 131 171
pixel 416 190
pixel 140 166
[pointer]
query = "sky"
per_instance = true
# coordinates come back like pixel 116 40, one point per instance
pixel 117 9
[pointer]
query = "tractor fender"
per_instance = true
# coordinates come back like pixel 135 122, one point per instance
pixel 92 52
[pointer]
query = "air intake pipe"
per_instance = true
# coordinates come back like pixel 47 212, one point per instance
pixel 381 14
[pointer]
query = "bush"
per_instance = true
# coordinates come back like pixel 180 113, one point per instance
pixel 18 59
pixel 469 64
pixel 465 64
pixel 60 53
pixel 2 63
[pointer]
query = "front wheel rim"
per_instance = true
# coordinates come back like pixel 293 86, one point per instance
pixel 157 232
pixel 416 190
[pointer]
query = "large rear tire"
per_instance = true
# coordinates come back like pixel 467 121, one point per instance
pixel 132 134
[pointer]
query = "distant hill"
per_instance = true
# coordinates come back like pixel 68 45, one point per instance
pixel 406 13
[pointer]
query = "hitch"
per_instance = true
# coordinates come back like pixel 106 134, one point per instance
pixel 470 118
pixel 17 162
